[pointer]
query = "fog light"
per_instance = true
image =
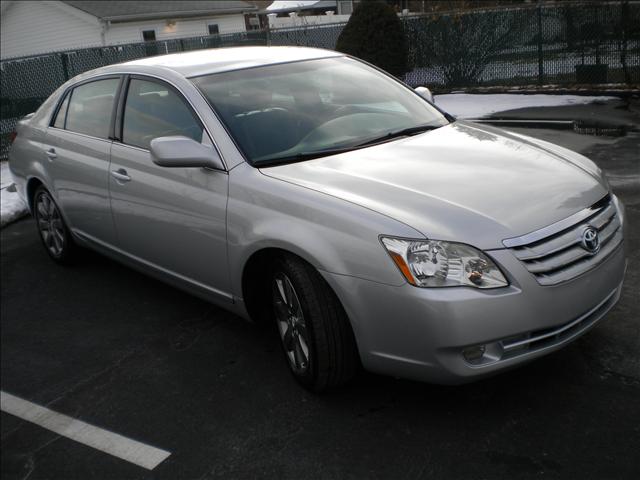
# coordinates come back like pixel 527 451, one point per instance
pixel 473 354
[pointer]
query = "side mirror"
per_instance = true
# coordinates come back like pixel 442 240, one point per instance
pixel 425 93
pixel 176 152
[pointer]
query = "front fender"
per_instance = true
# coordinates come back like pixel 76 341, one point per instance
pixel 331 234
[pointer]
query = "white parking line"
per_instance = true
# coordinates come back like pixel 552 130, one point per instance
pixel 122 447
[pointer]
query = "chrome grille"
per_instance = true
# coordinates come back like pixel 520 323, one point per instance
pixel 557 256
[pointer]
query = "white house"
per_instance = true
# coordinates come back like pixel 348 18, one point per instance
pixel 34 27
pixel 312 7
pixel 295 13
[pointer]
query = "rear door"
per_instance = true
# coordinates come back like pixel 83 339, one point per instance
pixel 77 150
pixel 170 219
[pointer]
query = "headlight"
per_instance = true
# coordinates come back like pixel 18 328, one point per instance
pixel 432 263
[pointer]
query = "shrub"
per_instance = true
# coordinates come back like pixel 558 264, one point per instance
pixel 375 34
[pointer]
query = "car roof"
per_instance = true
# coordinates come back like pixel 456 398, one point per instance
pixel 216 60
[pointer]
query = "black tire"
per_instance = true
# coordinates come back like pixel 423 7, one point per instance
pixel 332 353
pixel 52 229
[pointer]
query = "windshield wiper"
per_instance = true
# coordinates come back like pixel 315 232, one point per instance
pixel 302 156
pixel 405 132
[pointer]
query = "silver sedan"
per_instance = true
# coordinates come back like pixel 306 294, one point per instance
pixel 309 189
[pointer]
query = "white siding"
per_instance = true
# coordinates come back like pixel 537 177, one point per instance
pixel 29 28
pixel 131 32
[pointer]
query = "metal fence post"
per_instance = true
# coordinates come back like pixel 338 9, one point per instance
pixel 65 65
pixel 540 62
pixel 624 15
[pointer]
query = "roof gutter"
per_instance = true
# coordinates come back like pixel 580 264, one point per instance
pixel 163 15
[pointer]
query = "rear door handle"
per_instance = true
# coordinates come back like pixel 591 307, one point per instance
pixel 120 175
pixel 51 153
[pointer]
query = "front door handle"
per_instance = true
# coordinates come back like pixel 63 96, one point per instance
pixel 120 175
pixel 51 153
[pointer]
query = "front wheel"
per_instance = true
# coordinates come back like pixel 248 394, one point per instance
pixel 314 330
pixel 53 232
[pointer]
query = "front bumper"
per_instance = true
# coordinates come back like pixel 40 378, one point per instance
pixel 420 333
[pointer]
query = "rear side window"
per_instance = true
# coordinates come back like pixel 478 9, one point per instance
pixel 154 110
pixel 62 113
pixel 90 108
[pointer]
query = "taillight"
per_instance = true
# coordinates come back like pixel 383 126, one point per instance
pixel 12 136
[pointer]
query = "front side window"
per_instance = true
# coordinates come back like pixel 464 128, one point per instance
pixel 293 111
pixel 153 110
pixel 214 29
pixel 90 108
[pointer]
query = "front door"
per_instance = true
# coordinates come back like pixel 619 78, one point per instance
pixel 170 219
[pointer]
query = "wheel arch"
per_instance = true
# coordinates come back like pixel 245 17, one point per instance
pixel 256 289
pixel 254 278
pixel 32 185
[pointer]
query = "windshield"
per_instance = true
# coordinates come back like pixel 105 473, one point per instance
pixel 300 110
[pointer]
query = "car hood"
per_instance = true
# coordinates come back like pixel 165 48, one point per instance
pixel 462 182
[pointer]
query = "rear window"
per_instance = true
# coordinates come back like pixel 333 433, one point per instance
pixel 62 113
pixel 90 108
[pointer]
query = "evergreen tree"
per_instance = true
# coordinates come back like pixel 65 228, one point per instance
pixel 375 34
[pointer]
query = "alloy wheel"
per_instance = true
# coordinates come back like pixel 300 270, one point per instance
pixel 50 224
pixel 291 323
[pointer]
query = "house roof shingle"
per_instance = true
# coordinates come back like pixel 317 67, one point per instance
pixel 139 10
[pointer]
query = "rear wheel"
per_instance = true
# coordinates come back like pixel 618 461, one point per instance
pixel 314 330
pixel 53 232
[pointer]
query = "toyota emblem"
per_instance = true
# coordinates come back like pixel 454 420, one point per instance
pixel 590 240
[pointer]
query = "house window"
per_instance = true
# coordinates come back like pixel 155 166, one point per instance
pixel 149 35
pixel 253 23
pixel 214 29
pixel 345 7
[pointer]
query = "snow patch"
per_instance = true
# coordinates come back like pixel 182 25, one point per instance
pixel 12 205
pixel 469 105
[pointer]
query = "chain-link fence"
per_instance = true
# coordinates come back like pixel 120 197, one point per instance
pixel 566 44
pixel 590 43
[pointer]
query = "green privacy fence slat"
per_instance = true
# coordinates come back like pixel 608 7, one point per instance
pixel 566 44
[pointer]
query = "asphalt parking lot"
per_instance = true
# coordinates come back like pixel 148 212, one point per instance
pixel 103 344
